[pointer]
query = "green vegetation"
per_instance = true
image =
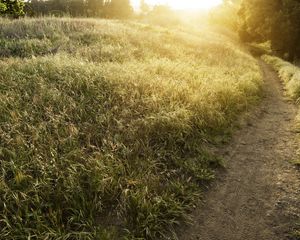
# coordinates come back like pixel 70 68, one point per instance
pixel 259 49
pixel 12 8
pixel 77 8
pixel 2 8
pixel 104 124
pixel 272 20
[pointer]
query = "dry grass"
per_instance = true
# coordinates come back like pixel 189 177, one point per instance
pixel 289 73
pixel 103 124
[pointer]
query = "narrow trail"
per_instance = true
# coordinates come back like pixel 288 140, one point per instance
pixel 257 198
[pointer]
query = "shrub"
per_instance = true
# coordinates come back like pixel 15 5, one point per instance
pixel 12 8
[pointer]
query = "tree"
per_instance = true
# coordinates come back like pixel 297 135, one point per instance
pixel 2 8
pixel 58 7
pixel 118 9
pixel 274 20
pixel 144 7
pixel 226 14
pixel 73 8
pixel 13 8
pixel 76 8
pixel 163 15
pixel 90 8
pixel 94 8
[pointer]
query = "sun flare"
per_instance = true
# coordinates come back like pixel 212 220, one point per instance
pixel 183 4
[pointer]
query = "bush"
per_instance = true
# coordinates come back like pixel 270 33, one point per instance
pixel 12 8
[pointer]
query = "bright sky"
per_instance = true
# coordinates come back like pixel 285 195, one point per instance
pixel 182 4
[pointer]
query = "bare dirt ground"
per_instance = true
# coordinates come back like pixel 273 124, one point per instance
pixel 258 195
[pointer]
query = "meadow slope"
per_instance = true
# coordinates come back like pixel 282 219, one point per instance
pixel 104 124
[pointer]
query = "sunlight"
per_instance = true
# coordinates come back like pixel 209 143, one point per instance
pixel 183 5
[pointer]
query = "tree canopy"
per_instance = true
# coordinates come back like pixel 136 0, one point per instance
pixel 275 20
pixel 76 8
pixel 12 8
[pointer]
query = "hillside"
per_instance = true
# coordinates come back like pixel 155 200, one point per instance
pixel 104 125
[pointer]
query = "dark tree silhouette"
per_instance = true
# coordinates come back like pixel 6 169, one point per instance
pixel 94 8
pixel 274 20
pixel 118 9
pixel 89 8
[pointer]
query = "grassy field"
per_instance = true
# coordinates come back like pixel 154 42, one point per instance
pixel 104 124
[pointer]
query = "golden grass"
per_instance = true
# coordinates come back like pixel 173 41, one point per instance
pixel 289 73
pixel 103 124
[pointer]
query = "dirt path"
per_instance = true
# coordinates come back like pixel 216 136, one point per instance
pixel 257 198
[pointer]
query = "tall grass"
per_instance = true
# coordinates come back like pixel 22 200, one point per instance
pixel 104 125
pixel 289 73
